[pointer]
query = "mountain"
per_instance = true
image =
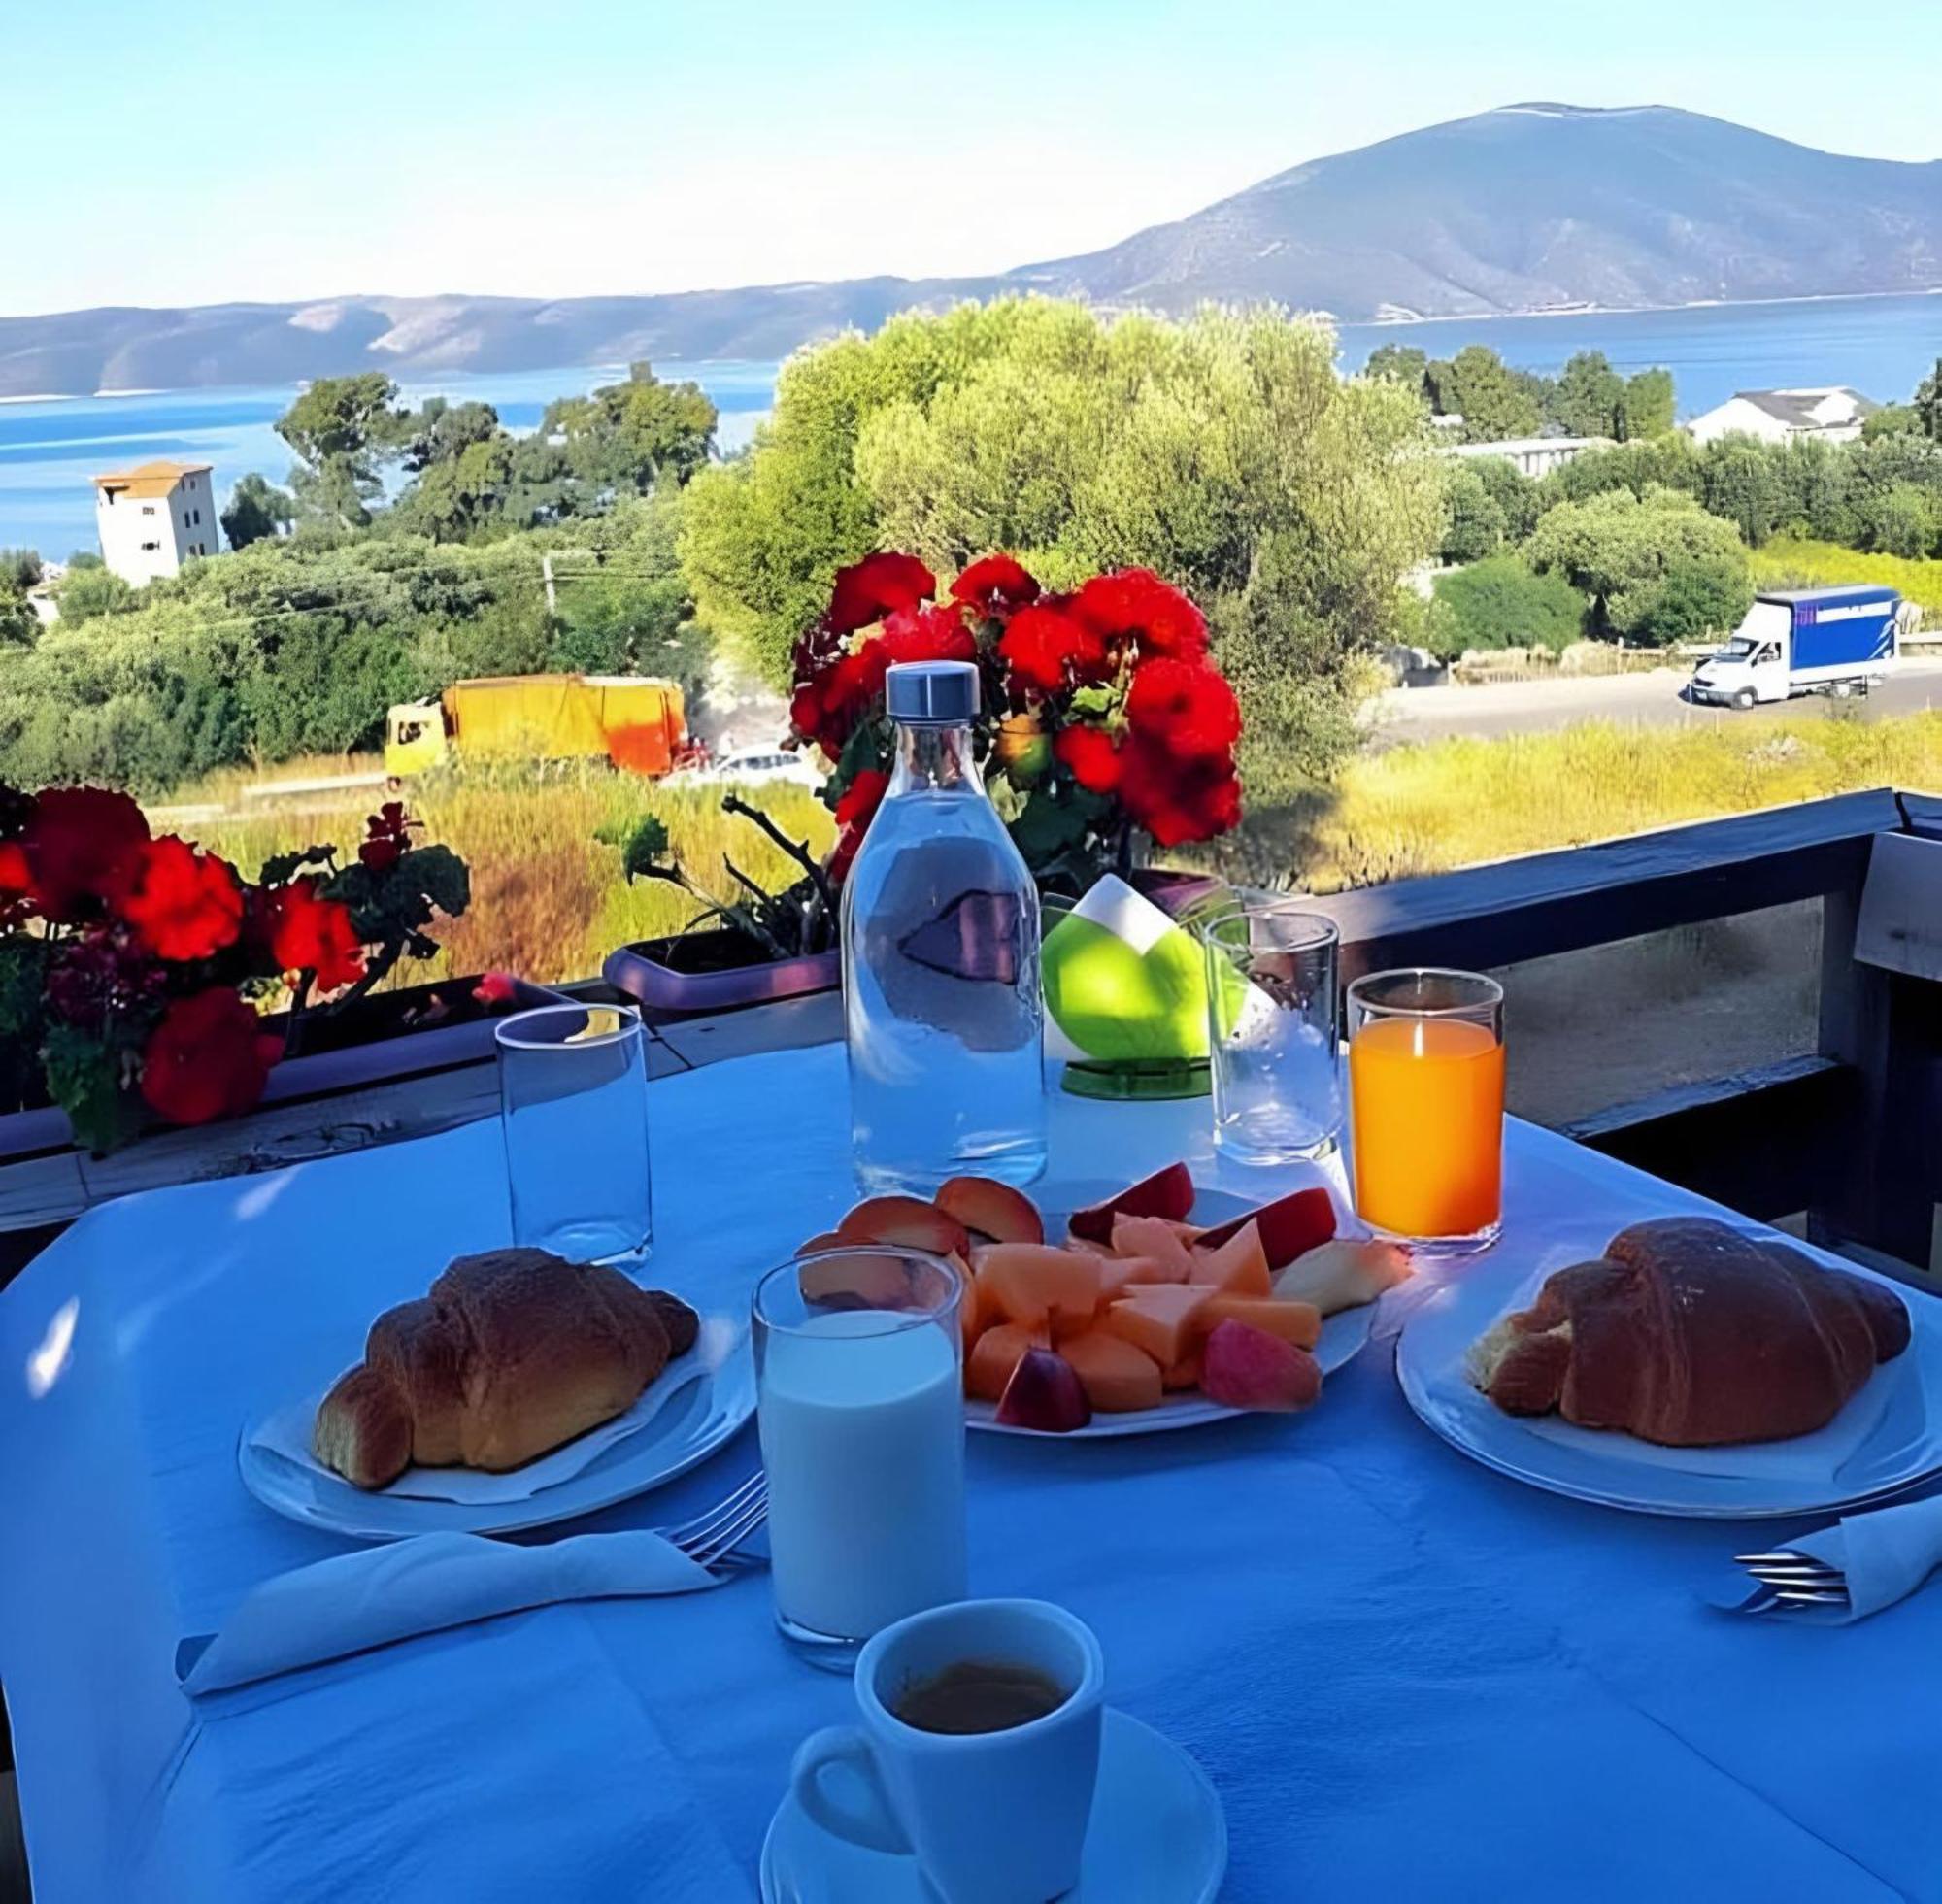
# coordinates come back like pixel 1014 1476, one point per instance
pixel 1533 206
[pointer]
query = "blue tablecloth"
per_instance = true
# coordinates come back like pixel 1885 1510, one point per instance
pixel 1408 1677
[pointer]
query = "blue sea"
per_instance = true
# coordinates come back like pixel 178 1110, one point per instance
pixel 1882 345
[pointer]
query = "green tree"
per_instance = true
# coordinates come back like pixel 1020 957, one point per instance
pixel 82 593
pixel 1741 481
pixel 1623 553
pixel 256 509
pixel 1660 462
pixel 343 429
pixel 1224 452
pixel 1648 409
pixel 622 440
pixel 1520 498
pixel 18 623
pixel 1902 521
pixel 1400 363
pixel 1474 523
pixel 20 569
pixel 1502 602
pixel 1891 420
pixel 1495 402
pixel 1927 403
pixel 1589 398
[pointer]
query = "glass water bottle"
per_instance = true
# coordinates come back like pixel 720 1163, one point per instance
pixel 940 962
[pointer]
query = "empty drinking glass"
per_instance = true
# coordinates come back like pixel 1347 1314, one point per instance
pixel 1272 1029
pixel 573 1104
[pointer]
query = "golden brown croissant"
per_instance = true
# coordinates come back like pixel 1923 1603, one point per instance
pixel 511 1353
pixel 1691 1334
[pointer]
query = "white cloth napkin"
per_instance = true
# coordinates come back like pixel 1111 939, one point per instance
pixel 1885 1555
pixel 286 1434
pixel 354 1602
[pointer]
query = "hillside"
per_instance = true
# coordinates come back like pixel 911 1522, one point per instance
pixel 1527 208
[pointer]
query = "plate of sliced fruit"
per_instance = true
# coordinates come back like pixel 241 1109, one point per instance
pixel 1158 1306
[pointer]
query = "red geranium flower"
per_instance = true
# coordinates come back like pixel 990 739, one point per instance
pixel 995 585
pixel 1136 605
pixel 496 990
pixel 862 798
pixel 388 833
pixel 75 842
pixel 16 880
pixel 1047 649
pixel 926 634
pixel 106 972
pixel 206 1059
pixel 1092 755
pixel 1178 801
pixel 876 586
pixel 1187 704
pixel 186 904
pixel 309 934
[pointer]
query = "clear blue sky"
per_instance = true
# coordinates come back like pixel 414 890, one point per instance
pixel 192 153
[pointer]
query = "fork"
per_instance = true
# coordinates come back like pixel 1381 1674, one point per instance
pixel 711 1537
pixel 1795 1579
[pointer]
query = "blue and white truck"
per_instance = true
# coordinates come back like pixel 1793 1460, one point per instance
pixel 1804 640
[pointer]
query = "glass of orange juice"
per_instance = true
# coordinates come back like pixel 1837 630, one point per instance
pixel 1426 1106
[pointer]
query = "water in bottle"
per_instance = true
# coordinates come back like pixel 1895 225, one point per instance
pixel 940 962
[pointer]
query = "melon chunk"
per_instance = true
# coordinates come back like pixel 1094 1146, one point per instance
pixel 1184 1374
pixel 1116 1375
pixel 995 1355
pixel 1163 1318
pixel 1119 1276
pixel 1239 1265
pixel 1246 1368
pixel 1155 1238
pixel 1298 1322
pixel 1288 1226
pixel 1039 1285
pixel 1168 1192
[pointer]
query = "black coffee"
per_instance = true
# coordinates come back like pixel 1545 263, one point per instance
pixel 979 1695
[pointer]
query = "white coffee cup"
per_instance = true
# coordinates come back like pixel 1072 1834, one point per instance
pixel 992 1818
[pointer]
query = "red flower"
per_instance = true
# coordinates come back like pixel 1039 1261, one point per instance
pixel 1135 605
pixel 388 833
pixel 75 842
pixel 496 990
pixel 876 586
pixel 16 878
pixel 862 798
pixel 206 1059
pixel 186 904
pixel 1187 704
pixel 996 586
pixel 1048 649
pixel 1092 755
pixel 309 934
pixel 926 634
pixel 106 972
pixel 1176 800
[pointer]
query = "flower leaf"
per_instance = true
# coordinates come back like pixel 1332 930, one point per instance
pixel 83 1074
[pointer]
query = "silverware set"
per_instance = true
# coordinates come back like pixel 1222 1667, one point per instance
pixel 1795 1579
pixel 713 1538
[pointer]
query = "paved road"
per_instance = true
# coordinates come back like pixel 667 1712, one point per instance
pixel 1645 700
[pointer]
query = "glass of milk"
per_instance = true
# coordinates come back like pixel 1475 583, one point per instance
pixel 860 1407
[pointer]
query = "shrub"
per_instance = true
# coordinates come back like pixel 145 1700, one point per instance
pixel 1502 602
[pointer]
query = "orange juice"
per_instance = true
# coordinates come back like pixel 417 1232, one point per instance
pixel 1426 1104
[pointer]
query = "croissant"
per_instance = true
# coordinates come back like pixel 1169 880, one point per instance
pixel 511 1353
pixel 1691 1334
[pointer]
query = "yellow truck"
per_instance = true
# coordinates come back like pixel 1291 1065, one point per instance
pixel 638 723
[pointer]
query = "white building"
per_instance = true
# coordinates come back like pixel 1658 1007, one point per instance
pixel 1831 415
pixel 151 519
pixel 1532 455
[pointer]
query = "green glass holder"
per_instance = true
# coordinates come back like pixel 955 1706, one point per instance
pixel 1143 1079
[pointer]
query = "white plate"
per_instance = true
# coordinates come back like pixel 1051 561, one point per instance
pixel 1343 1334
pixel 1887 1437
pixel 1157 1836
pixel 684 1432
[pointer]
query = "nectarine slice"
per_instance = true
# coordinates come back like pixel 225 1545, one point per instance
pixel 1245 1368
pixel 1168 1192
pixel 1117 1377
pixel 1288 1226
pixel 1298 1322
pixel 856 1279
pixel 1039 1285
pixel 1239 1265
pixel 1044 1394
pixel 991 1208
pixel 1161 1319
pixel 988 1367
pixel 905 1219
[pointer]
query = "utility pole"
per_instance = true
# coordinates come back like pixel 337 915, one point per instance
pixel 548 577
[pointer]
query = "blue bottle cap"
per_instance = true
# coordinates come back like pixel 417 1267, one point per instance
pixel 932 694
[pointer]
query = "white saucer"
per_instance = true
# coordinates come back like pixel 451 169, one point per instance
pixel 1158 1836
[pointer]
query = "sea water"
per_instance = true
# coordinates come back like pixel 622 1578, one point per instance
pixel 944 1011
pixel 861 1419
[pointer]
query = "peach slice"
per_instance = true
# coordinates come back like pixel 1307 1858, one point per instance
pixel 1289 1227
pixel 905 1219
pixel 855 1280
pixel 1044 1394
pixel 990 1209
pixel 1168 1192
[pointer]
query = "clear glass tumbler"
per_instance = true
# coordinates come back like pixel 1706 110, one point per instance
pixel 1273 1030
pixel 1427 1103
pixel 860 1407
pixel 573 1104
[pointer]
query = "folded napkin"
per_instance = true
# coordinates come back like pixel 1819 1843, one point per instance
pixel 382 1594
pixel 1122 981
pixel 1885 1555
